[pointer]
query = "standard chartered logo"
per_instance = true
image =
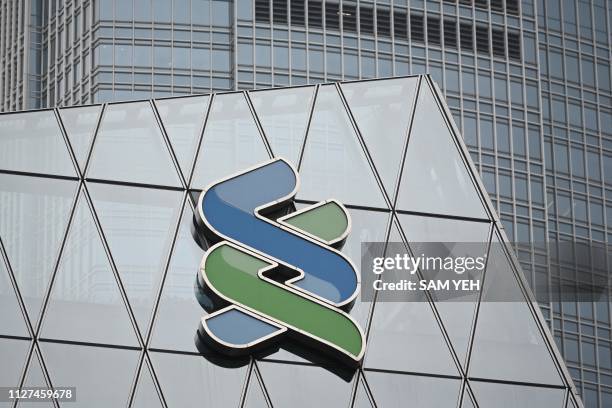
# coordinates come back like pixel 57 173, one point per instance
pixel 271 274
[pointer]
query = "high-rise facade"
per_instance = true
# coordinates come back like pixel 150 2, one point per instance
pixel 528 84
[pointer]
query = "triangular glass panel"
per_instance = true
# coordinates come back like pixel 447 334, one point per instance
pixel 179 311
pixel 34 375
pixel 13 323
pixel 283 114
pixel 202 383
pixel 255 397
pixel 146 395
pixel 393 390
pixel 93 371
pixel 467 399
pixel 139 225
pixel 443 237
pixel 334 164
pixel 80 124
pixel 33 142
pixel 34 208
pixel 130 147
pixel 407 323
pixel 570 402
pixel 183 119
pixel 435 178
pixel 231 141
pixel 85 302
pixel 382 110
pixel 490 394
pixel 290 385
pixel 508 344
pixel 362 400
pixel 35 378
pixel 13 355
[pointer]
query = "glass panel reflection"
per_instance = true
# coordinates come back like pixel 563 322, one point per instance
pixel 145 395
pixel 183 119
pixel 382 110
pixel 283 114
pixel 34 214
pixel 435 179
pixel 511 396
pixel 292 385
pixel 130 147
pixel 85 303
pixel 231 141
pixel 13 357
pixel 393 390
pixel 407 324
pixel 255 397
pixel 201 384
pixel 334 164
pixel 139 225
pixel 13 323
pixel 457 239
pixel 102 376
pixel 507 343
pixel 33 142
pixel 179 312
pixel 80 124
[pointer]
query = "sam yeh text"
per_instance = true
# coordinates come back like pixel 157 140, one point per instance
pixel 466 285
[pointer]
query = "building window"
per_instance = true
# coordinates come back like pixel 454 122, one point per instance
pixel 332 16
pixel 297 12
pixel 367 20
pixel 400 26
pixel 279 11
pixel 450 33
pixel 315 14
pixel 465 33
pixel 482 39
pixel 416 28
pixel 433 30
pixel 262 11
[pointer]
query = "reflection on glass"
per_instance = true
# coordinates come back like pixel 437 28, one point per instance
pixel 334 164
pixel 13 323
pixel 291 385
pixel 382 111
pixel 94 371
pixel 13 356
pixel 85 303
pixel 138 224
pixel 80 125
pixel 507 343
pixel 255 397
pixel 34 375
pixel 394 390
pixel 510 396
pixel 179 312
pixel 192 381
pixel 145 395
pixel 283 115
pixel 33 142
pixel 435 179
pixel 33 219
pixel 231 141
pixel 459 239
pixel 183 119
pixel 130 147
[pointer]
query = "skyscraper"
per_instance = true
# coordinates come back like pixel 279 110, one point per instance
pixel 528 84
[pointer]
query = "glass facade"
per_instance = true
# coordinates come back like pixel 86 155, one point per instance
pixel 99 264
pixel 528 83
